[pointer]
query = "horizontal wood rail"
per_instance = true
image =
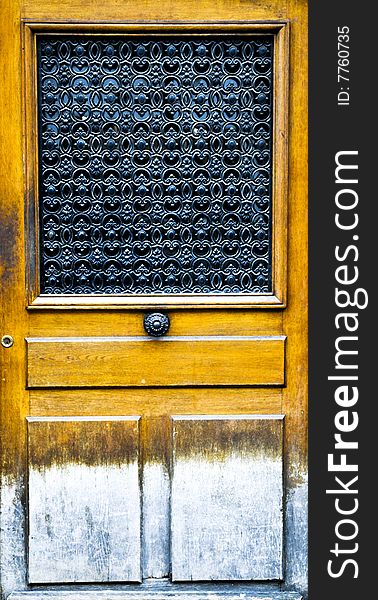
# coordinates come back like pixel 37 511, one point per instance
pixel 142 361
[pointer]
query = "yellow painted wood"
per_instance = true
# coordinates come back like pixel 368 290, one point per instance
pixel 182 10
pixel 169 361
pixel 13 399
pixel 130 323
pixel 287 318
pixel 155 402
pixel 276 299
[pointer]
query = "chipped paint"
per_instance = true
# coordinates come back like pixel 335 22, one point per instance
pixel 296 534
pixel 227 520
pixel 12 555
pixel 156 521
pixel 227 512
pixel 231 481
pixel 155 440
pixel 89 441
pixel 213 437
pixel 84 524
pixel 155 591
pixel 84 499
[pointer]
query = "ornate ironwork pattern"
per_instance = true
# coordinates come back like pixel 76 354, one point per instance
pixel 155 164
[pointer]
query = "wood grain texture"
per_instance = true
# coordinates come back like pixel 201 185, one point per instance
pixel 12 262
pixel 295 316
pixel 280 164
pixel 163 592
pixel 84 506
pixel 130 323
pixel 226 506
pixel 163 401
pixel 77 11
pixel 152 302
pixel 275 299
pixel 156 522
pixel 199 322
pixel 156 447
pixel 13 397
pixel 168 361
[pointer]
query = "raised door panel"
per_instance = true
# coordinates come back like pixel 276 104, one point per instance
pixel 197 498
pixel 169 361
pixel 83 499
pixel 227 498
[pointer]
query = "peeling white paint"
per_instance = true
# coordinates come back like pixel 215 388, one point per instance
pixel 84 523
pixel 226 516
pixel 142 594
pixel 12 540
pixel 296 533
pixel 227 519
pixel 156 521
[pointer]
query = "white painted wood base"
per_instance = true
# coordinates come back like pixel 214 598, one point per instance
pixel 227 498
pixel 207 594
pixel 84 524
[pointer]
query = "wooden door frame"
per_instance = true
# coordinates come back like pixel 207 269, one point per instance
pixel 277 299
pixel 14 398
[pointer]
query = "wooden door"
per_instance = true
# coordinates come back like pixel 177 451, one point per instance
pixel 154 299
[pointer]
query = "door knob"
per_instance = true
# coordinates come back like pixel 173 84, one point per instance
pixel 156 324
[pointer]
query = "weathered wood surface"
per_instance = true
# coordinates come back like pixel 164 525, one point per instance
pixel 13 317
pixel 187 10
pixel 162 589
pixel 215 593
pixel 58 323
pixel 155 436
pixel 170 401
pixel 156 526
pixel 295 393
pixel 130 323
pixel 83 501
pixel 226 506
pixel 169 361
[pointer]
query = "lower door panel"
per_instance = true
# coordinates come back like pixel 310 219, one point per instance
pixel 84 500
pixel 124 498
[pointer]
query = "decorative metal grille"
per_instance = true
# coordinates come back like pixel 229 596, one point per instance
pixel 155 160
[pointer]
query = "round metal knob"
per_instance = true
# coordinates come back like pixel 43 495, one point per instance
pixel 156 324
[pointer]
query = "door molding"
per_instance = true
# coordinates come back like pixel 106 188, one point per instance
pixel 277 299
